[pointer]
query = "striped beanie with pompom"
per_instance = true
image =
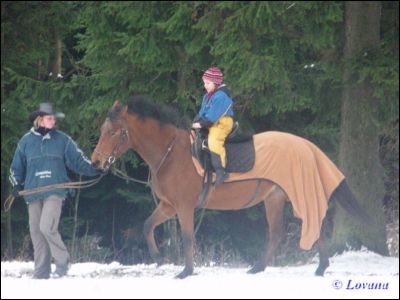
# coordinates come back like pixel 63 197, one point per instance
pixel 214 75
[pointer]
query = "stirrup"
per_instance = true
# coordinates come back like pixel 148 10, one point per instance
pixel 203 145
pixel 221 180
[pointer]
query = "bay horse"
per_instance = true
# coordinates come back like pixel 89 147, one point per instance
pixel 155 133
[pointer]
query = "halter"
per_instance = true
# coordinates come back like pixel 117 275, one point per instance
pixel 122 137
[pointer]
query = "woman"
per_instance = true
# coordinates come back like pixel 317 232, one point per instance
pixel 42 157
pixel 216 114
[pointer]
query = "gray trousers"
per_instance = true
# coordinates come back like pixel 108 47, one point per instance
pixel 44 216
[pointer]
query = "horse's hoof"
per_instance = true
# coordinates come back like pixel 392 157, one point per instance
pixel 256 269
pixel 320 272
pixel 159 261
pixel 156 257
pixel 321 269
pixel 185 273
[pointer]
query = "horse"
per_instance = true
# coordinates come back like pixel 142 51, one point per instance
pixel 157 134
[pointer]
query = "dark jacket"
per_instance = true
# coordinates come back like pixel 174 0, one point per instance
pixel 43 160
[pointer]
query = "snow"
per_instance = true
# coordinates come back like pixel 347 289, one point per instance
pixel 360 274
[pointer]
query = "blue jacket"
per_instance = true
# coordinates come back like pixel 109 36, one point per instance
pixel 43 160
pixel 212 109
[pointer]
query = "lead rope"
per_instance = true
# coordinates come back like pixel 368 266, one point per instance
pixel 72 185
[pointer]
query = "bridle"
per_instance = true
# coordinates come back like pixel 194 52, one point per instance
pixel 123 137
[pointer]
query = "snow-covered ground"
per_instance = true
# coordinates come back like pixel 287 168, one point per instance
pixel 359 274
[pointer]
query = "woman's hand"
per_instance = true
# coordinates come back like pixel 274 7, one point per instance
pixel 196 125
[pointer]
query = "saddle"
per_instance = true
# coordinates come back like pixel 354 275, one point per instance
pixel 239 148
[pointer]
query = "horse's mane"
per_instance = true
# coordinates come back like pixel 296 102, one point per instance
pixel 146 108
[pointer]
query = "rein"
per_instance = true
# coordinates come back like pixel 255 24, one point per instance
pixel 171 145
pixel 112 157
pixel 122 175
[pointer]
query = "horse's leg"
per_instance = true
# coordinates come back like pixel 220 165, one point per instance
pixel 326 232
pixel 163 212
pixel 186 222
pixel 323 257
pixel 274 205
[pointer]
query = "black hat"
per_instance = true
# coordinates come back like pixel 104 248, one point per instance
pixel 45 109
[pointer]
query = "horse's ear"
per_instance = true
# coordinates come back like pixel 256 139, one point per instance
pixel 124 110
pixel 116 103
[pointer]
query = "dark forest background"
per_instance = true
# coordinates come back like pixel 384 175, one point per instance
pixel 326 70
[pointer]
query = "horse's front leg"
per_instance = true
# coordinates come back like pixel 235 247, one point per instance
pixel 185 217
pixel 163 212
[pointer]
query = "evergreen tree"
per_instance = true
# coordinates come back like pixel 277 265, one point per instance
pixel 282 61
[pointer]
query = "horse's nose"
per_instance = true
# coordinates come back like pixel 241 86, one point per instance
pixel 96 164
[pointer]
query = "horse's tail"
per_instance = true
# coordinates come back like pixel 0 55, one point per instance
pixel 344 196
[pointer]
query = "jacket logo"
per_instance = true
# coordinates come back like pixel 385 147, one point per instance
pixel 43 174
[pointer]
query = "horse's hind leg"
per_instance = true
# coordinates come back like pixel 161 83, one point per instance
pixel 274 205
pixel 323 257
pixel 326 232
pixel 163 212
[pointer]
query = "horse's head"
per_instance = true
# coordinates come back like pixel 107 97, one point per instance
pixel 114 137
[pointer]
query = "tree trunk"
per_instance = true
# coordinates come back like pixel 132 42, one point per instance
pixel 359 145
pixel 56 67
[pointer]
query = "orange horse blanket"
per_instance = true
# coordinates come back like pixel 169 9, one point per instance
pixel 302 170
